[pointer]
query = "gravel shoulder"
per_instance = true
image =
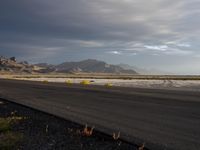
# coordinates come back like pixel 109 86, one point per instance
pixel 42 131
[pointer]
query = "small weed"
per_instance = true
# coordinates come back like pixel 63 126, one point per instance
pixel 13 113
pixel 47 129
pixel 88 131
pixel 116 136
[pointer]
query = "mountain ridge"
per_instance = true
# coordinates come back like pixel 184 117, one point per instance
pixel 11 65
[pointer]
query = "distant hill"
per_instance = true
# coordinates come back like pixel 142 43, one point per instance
pixel 92 66
pixel 11 65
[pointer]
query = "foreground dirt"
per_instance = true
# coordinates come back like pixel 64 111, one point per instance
pixel 42 131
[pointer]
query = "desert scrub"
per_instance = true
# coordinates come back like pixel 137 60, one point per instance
pixel 85 82
pixel 9 139
pixel 5 124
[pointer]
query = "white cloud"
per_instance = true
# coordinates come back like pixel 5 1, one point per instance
pixel 157 47
pixel 115 52
pixel 164 49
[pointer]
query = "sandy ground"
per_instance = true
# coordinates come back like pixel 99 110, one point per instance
pixel 139 83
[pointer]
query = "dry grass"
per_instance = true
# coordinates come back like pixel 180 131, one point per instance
pixel 47 129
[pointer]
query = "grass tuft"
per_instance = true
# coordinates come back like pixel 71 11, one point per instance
pixel 116 136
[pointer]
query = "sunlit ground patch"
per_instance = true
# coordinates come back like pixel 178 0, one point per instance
pixel 85 82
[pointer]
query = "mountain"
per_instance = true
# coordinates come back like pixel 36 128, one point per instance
pixel 144 71
pixel 92 66
pixel 10 65
pixel 45 68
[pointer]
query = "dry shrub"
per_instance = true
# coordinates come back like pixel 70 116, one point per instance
pixel 87 131
pixel 116 136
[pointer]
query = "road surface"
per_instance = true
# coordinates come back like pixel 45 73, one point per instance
pixel 162 119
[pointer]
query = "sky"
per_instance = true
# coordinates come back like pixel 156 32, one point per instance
pixel 159 34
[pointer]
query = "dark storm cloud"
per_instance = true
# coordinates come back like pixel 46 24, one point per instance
pixel 57 29
pixel 64 19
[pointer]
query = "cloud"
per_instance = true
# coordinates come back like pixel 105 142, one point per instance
pixel 115 52
pixel 91 28
pixel 84 43
pixel 164 49
pixel 159 47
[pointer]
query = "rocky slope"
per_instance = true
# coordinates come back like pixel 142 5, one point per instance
pixel 10 65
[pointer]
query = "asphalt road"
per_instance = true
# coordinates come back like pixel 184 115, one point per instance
pixel 163 119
